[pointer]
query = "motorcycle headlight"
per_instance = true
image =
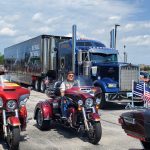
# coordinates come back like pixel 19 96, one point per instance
pixel 89 102
pixel 112 85
pixel 1 102
pixel 80 102
pixel 23 99
pixel 11 104
pixel 98 101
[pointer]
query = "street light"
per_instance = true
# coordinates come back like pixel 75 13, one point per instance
pixel 116 25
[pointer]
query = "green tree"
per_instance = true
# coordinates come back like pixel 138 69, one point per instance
pixel 1 59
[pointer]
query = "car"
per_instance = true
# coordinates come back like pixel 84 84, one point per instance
pixel 136 123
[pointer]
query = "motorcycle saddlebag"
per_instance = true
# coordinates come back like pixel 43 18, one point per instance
pixel 136 124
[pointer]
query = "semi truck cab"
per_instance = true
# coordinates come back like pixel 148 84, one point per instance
pixel 94 59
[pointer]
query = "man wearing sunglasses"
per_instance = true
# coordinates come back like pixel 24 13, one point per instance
pixel 67 84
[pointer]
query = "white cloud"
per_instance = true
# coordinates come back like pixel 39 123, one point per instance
pixel 7 31
pixel 115 18
pixel 79 35
pixel 37 17
pixel 21 38
pixel 129 27
pixel 140 40
pixel 43 30
pixel 11 18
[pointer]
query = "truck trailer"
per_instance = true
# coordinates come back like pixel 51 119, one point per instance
pixel 30 61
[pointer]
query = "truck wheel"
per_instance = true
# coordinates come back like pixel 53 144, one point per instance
pixel 41 123
pixel 37 85
pixel 42 86
pixel 103 102
pixel 146 145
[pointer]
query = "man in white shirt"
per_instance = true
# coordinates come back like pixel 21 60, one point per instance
pixel 67 84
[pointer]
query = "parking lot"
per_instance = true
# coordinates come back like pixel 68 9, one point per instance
pixel 59 138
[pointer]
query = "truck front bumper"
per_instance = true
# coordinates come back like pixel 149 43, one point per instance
pixel 121 96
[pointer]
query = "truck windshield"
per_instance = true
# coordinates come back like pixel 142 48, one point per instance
pixel 99 57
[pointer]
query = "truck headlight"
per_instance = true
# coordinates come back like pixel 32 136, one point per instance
pixel 80 102
pixel 11 104
pixel 89 102
pixel 23 99
pixel 112 85
pixel 1 102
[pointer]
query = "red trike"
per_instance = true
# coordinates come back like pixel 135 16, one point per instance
pixel 13 113
pixel 82 110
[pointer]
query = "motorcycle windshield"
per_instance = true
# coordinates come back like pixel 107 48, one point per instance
pixel 5 80
pixel 83 81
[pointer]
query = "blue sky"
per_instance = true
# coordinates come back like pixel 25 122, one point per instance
pixel 24 19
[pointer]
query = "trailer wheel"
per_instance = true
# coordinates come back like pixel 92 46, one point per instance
pixel 37 85
pixel 42 86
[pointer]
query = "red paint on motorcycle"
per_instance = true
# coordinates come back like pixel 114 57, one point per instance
pixel 95 117
pixel 47 110
pixel 14 121
pixel 23 117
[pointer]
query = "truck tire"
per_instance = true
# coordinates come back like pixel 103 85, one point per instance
pixel 103 102
pixel 37 85
pixel 42 86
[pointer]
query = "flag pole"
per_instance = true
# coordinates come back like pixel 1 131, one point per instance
pixel 132 105
pixel 145 103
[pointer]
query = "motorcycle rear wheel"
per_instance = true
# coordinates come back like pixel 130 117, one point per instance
pixel 96 133
pixel 14 138
pixel 41 123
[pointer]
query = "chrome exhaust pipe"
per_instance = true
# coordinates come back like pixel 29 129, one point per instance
pixel 74 29
pixel 85 119
pixel 4 123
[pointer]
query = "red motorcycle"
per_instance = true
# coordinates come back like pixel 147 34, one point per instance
pixel 13 113
pixel 82 111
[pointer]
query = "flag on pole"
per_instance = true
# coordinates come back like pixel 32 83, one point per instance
pixel 138 89
pixel 146 95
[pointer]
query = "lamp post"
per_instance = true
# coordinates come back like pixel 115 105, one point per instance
pixel 116 25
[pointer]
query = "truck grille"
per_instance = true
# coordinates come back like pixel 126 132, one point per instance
pixel 127 74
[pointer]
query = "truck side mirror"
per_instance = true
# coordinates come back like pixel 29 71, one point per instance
pixel 94 70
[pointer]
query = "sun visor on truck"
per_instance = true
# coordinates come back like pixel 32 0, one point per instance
pixel 103 50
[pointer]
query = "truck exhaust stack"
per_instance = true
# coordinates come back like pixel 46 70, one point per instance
pixel 74 28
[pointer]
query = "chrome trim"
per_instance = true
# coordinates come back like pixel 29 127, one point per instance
pixel 4 123
pixel 85 119
pixel 16 113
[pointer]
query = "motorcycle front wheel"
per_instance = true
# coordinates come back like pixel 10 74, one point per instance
pixel 95 133
pixel 13 138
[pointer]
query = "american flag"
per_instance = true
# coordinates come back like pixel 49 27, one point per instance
pixel 146 96
pixel 141 90
pixel 138 89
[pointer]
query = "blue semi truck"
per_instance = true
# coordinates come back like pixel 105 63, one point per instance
pixel 94 59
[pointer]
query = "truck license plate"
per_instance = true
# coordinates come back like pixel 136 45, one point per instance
pixel 129 94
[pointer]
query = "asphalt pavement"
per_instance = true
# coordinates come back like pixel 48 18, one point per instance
pixel 60 138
